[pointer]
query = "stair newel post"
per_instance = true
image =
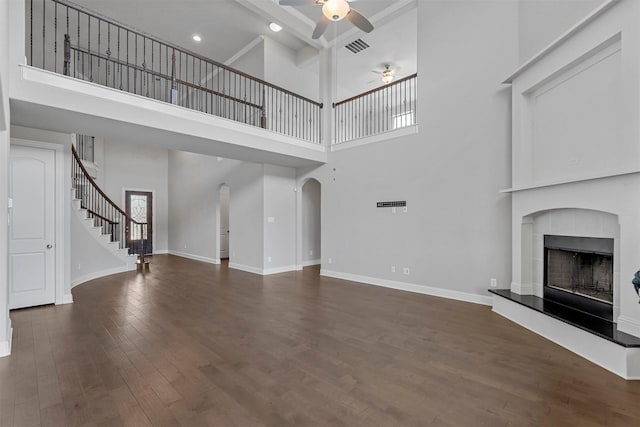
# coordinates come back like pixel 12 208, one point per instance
pixel 174 81
pixel 67 55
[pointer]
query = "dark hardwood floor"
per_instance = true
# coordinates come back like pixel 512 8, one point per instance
pixel 193 344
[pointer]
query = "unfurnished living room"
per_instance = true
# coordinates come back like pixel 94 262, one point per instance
pixel 320 213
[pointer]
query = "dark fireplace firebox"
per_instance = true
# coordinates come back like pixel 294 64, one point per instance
pixel 578 272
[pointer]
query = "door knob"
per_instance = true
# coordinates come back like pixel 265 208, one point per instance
pixel 49 246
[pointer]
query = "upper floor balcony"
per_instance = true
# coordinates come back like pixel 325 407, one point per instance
pixel 85 72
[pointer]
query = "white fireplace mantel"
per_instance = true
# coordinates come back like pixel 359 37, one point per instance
pixel 576 159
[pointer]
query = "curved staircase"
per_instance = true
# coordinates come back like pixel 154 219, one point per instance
pixel 109 225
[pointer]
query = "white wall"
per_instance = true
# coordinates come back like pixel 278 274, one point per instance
pixel 5 321
pixel 252 61
pixel 280 69
pixel 194 182
pixel 279 218
pixel 246 217
pixel 542 21
pixel 88 256
pixel 311 226
pixel 139 167
pixel 456 233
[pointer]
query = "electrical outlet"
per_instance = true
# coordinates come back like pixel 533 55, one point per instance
pixel 185 246
pixel 393 268
pixel 393 210
pixel 268 259
pixel 79 266
pixel 311 252
pixel 494 283
pixel 404 209
pixel 330 261
pixel 406 271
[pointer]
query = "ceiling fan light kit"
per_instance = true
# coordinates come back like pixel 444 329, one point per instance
pixel 335 9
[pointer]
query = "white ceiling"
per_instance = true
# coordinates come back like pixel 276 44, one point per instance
pixel 227 26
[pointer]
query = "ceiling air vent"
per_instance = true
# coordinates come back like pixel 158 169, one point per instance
pixel 357 46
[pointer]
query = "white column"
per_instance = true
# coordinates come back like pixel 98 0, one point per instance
pixel 328 92
pixel 5 321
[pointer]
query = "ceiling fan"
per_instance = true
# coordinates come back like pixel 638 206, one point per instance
pixel 386 75
pixel 333 10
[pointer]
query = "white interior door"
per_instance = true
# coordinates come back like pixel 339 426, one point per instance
pixel 31 231
pixel 224 222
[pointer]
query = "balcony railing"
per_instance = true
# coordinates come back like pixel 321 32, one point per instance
pixel 69 39
pixel 380 110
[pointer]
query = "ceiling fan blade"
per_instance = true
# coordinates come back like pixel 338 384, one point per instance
pixel 296 2
pixel 359 20
pixel 321 26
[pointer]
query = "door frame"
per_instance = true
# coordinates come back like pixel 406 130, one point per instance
pixel 217 259
pixel 153 211
pixel 59 212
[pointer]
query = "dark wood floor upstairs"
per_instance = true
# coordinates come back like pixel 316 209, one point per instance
pixel 192 344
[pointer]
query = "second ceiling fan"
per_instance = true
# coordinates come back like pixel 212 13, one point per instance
pixel 332 10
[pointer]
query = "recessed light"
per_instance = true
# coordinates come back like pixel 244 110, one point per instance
pixel 275 27
pixel 197 38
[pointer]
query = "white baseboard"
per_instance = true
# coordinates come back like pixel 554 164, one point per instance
pixel 67 299
pixel 622 361
pixel 629 325
pixel 5 346
pixel 311 262
pixel 410 287
pixel 194 257
pixel 263 271
pixel 247 268
pixel 160 251
pixel 99 274
pixel 520 289
pixel 277 270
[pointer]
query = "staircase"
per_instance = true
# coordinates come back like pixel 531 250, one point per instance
pixel 107 222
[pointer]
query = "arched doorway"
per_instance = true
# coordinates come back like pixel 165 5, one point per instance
pixel 222 220
pixel 310 223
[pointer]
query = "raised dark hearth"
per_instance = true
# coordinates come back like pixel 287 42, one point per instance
pixel 578 272
pixel 603 328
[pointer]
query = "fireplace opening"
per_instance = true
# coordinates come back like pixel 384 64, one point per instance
pixel 578 272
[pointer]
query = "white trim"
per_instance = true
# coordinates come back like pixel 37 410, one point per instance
pixel 311 262
pixel 381 137
pixel 194 257
pixel 564 37
pixel 410 287
pixel 622 361
pixel 5 346
pixel 67 299
pixel 278 270
pixel 102 273
pixel 161 252
pixel 520 289
pixel 59 204
pixel 247 268
pixel 568 181
pixel 629 325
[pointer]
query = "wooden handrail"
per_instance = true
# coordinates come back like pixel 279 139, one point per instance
pixel 163 76
pixel 369 92
pixel 177 48
pixel 99 190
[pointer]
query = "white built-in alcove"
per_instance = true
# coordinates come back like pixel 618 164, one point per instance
pixel 576 168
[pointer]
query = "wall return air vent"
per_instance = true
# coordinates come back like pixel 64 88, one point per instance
pixel 392 204
pixel 357 46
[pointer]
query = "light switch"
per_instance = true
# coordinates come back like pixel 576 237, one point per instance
pixel 271 219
